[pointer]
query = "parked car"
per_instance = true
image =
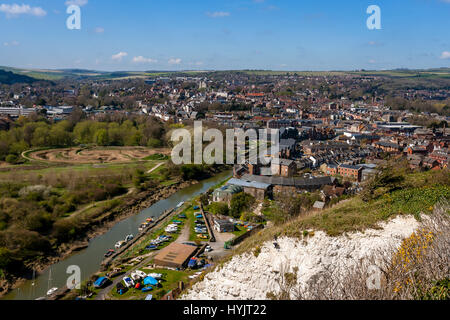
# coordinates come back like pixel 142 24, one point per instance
pixel 208 249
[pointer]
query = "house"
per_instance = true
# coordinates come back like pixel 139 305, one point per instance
pixel 225 193
pixel 331 170
pixel 319 206
pixel 387 146
pixel 417 150
pixel 258 190
pixel 333 191
pixel 291 185
pixel 283 167
pixel 223 225
pixel 352 172
pixel 430 163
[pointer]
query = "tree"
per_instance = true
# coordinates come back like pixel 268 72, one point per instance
pixel 240 202
pixel 219 208
pixel 101 137
pixel 5 258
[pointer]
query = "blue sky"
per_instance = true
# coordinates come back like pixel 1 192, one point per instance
pixel 225 34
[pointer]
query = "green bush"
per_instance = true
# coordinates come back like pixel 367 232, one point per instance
pixel 240 202
pixel 219 208
pixel 11 159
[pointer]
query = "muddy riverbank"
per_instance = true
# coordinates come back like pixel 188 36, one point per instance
pixel 109 227
pixel 133 204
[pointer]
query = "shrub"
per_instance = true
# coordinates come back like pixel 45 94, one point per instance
pixel 240 202
pixel 11 159
pixel 219 208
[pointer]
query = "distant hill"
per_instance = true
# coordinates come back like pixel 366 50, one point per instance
pixel 8 77
pixel 78 74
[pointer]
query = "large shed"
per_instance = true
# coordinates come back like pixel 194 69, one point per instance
pixel 175 255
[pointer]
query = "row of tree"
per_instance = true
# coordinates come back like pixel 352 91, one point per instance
pixel 26 134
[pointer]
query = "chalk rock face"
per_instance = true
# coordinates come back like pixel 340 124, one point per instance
pixel 246 277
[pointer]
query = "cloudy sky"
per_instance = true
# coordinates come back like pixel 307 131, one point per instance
pixel 225 34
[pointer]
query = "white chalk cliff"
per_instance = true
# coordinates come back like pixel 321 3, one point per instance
pixel 247 277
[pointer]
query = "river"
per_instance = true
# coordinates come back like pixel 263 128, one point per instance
pixel 89 259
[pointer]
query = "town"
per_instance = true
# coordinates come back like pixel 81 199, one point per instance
pixel 336 133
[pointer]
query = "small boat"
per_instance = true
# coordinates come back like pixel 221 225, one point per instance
pixel 109 253
pixel 120 244
pixel 149 220
pixel 150 281
pixel 157 276
pixel 143 226
pixel 147 289
pixel 100 282
pixel 128 282
pixel 52 291
pixel 180 205
pixel 129 238
pixel 138 274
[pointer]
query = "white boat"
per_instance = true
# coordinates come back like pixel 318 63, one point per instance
pixel 138 274
pixel 128 282
pixel 119 244
pixel 129 238
pixel 180 204
pixel 52 291
pixel 157 276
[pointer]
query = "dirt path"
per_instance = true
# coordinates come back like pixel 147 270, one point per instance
pixel 184 235
pixel 156 167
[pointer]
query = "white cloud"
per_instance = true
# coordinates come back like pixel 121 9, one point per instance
pixel 218 14
pixel 174 61
pixel 371 61
pixel 142 59
pixel 14 10
pixel 119 56
pixel 445 54
pixel 79 3
pixel 11 44
pixel 99 30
